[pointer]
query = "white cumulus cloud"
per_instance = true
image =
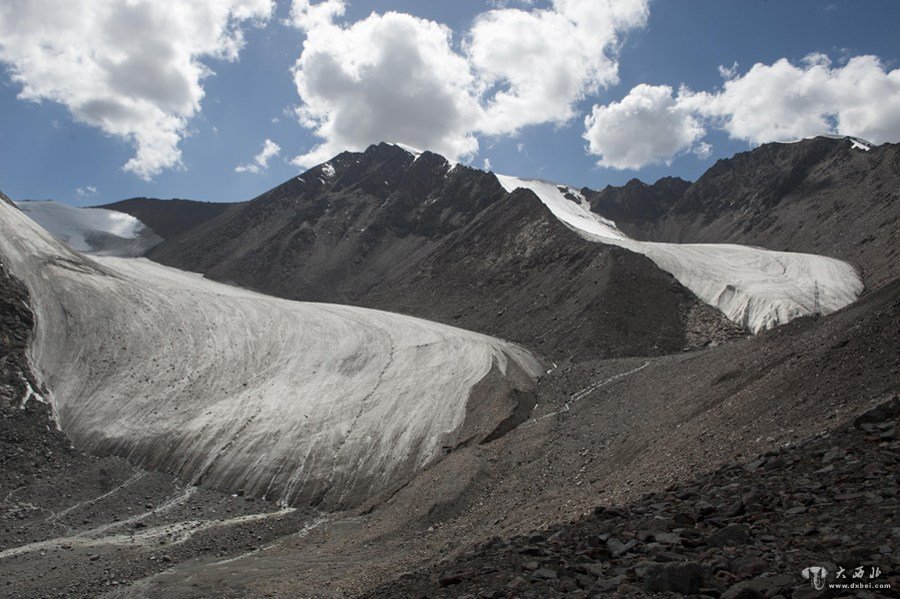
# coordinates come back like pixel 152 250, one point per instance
pixel 536 64
pixel 260 162
pixel 390 77
pixel 396 77
pixel 648 126
pixel 783 101
pixel 130 67
pixel 778 102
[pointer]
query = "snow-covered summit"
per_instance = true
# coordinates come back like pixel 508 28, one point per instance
pixel 92 230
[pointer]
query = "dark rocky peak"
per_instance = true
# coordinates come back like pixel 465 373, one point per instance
pixel 675 186
pixel 435 197
pixel 427 171
pixel 389 188
pixel 636 201
pixel 761 178
pixel 375 172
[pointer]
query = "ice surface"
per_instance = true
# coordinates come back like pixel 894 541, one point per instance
pixel 92 230
pixel 576 214
pixel 756 288
pixel 238 390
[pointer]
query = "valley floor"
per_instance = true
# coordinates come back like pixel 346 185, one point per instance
pixel 73 525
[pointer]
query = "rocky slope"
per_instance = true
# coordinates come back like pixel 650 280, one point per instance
pixel 17 382
pixel 169 218
pixel 413 234
pixel 747 530
pixel 820 195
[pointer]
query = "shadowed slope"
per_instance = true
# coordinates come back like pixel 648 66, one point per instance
pixel 169 218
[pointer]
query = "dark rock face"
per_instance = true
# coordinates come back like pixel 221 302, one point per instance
pixel 30 445
pixel 675 536
pixel 331 234
pixel 169 218
pixel 387 230
pixel 517 273
pixel 16 325
pixel 637 202
pixel 818 195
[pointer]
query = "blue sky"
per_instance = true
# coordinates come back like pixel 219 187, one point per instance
pixel 49 154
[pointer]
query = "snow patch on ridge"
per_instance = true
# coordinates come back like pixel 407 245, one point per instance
pixel 858 142
pixel 756 288
pixel 416 152
pixel 576 215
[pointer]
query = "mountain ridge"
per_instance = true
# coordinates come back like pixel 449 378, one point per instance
pixel 788 196
pixel 375 229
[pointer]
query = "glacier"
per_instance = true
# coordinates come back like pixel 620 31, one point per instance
pixel 92 230
pixel 302 403
pixel 754 287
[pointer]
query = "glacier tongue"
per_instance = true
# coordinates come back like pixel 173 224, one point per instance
pixel 93 230
pixel 756 288
pixel 231 389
